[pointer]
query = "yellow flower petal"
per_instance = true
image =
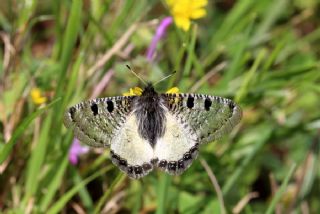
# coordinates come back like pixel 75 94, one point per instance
pixel 183 23
pixel 180 6
pixel 185 10
pixel 170 2
pixel 136 91
pixel 126 94
pixel 198 14
pixel 173 90
pixel 199 3
pixel 36 96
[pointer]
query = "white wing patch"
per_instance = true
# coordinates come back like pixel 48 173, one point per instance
pixel 131 153
pixel 176 149
pixel 172 153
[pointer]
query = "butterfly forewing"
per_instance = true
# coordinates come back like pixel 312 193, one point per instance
pixel 96 122
pixel 208 116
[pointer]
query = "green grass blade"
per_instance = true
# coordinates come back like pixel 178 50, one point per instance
pixel 27 12
pixel 190 50
pixel 249 77
pixel 119 179
pixel 163 188
pixel 265 134
pixel 6 149
pixel 60 204
pixel 83 193
pixel 271 16
pixel 69 41
pixel 236 62
pixel 56 180
pixel 36 160
pixel 280 192
pixel 233 19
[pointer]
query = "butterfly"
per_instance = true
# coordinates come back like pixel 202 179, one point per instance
pixel 152 130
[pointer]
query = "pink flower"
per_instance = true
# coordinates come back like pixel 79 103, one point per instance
pixel 76 150
pixel 160 32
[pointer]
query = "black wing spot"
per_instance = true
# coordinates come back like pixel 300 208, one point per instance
pixel 190 102
pixel 163 164
pixel 207 104
pixel 115 156
pixel 94 109
pixel 123 162
pixel 110 106
pixel 172 165
pixel 147 166
pixel 194 149
pixel 181 164
pixel 130 169
pixel 137 170
pixel 231 105
pixel 187 156
pixel 72 111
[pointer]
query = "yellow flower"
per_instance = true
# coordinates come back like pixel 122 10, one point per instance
pixel 36 96
pixel 136 91
pixel 185 10
pixel 173 90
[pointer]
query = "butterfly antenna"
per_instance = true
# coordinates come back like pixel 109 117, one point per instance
pixel 140 78
pixel 166 77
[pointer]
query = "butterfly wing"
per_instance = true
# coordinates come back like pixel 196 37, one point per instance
pixel 192 119
pixel 176 149
pixel 111 122
pixel 130 152
pixel 210 117
pixel 95 122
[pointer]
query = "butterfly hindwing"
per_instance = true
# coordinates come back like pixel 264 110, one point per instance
pixel 176 149
pixel 130 152
pixel 95 122
pixel 208 116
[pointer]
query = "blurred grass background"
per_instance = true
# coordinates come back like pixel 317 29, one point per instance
pixel 263 54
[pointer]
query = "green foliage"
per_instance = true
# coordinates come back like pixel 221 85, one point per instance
pixel 263 54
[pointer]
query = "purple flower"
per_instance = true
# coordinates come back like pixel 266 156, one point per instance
pixel 76 150
pixel 160 32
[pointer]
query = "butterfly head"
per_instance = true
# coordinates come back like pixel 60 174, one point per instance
pixel 149 91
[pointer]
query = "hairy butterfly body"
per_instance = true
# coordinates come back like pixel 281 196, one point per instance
pixel 152 130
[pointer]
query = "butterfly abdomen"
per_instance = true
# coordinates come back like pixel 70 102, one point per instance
pixel 150 114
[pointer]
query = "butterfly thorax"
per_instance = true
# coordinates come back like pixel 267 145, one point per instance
pixel 150 115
